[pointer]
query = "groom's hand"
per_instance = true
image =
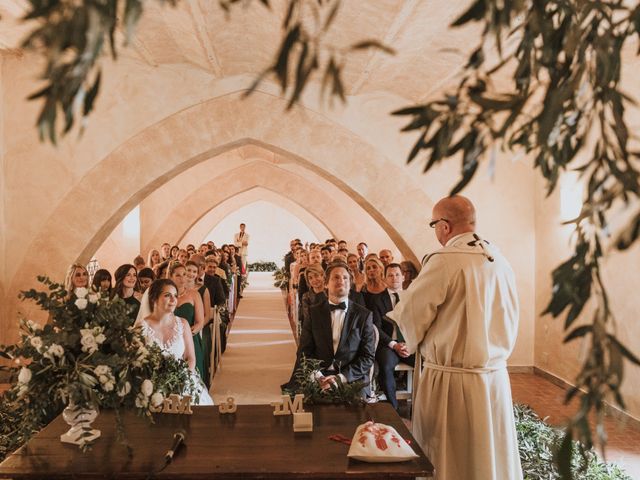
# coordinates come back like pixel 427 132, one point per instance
pixel 327 382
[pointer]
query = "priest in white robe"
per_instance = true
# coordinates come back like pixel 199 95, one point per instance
pixel 461 312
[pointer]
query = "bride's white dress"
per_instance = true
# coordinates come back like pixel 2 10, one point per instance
pixel 175 347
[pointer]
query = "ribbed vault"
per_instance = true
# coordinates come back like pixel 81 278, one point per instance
pixel 156 155
pixel 215 215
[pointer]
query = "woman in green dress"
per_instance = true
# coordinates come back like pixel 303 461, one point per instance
pixel 191 308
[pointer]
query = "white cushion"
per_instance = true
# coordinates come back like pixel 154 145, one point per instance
pixel 377 443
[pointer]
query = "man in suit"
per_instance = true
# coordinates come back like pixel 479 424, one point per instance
pixel 386 257
pixel 241 242
pixel 339 333
pixel 391 347
pixel 213 282
pixel 362 249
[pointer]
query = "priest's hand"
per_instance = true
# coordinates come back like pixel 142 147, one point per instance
pixel 327 382
pixel 401 349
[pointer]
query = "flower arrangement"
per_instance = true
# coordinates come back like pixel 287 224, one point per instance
pixel 341 393
pixel 89 356
pixel 262 266
pixel 281 280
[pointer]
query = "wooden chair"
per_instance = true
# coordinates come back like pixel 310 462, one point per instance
pixel 216 343
pixel 372 398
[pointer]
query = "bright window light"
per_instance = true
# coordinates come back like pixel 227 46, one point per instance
pixel 571 191
pixel 131 224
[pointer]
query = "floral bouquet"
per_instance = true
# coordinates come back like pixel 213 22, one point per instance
pixel 88 356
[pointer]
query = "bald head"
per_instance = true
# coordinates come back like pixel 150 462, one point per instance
pixel 459 216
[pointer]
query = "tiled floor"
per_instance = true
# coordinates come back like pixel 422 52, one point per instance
pixel 547 399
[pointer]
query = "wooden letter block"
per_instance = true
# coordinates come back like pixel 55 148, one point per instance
pixel 229 406
pixel 177 405
pixel 303 422
pixel 287 406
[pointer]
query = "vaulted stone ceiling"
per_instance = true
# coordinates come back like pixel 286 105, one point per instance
pixel 197 34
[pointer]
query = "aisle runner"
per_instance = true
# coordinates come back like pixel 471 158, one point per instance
pixel 260 349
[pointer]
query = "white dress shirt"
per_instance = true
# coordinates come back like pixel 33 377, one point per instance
pixel 394 337
pixel 337 321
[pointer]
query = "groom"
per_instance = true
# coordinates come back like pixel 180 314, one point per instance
pixel 339 333
pixel 241 242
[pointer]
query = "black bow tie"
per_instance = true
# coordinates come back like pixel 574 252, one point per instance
pixel 339 306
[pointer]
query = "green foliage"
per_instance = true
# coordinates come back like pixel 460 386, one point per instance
pixel 281 279
pixel 88 355
pixel 305 54
pixel 342 393
pixel 538 443
pixel 563 103
pixel 262 267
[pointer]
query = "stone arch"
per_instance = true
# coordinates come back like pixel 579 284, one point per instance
pixel 160 152
pixel 336 218
pixel 216 214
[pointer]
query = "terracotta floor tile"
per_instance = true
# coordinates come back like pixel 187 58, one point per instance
pixel 547 400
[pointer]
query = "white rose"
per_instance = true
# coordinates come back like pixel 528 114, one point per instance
pixel 103 379
pixel 108 386
pixel 33 325
pixel 125 389
pixel 93 298
pixel 141 401
pixel 81 303
pixel 100 338
pixel 88 343
pixel 147 387
pixel 81 293
pixel 56 350
pixel 102 370
pixel 157 399
pixel 24 376
pixel 36 342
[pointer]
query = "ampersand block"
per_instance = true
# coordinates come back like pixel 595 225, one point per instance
pixel 229 406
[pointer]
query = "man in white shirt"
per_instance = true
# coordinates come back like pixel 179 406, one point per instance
pixel 339 333
pixel 462 313
pixel 241 242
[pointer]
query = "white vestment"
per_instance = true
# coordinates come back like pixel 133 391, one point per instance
pixel 462 313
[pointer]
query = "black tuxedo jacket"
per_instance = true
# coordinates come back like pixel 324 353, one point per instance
pixel 380 304
pixel 356 351
pixel 216 290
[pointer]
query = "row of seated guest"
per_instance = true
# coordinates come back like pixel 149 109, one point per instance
pixel 126 284
pixel 201 282
pixel 376 290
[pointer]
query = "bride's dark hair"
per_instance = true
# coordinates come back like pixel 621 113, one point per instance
pixel 156 289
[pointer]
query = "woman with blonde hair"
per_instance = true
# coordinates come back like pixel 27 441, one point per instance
pixel 77 277
pixel 153 258
pixel 374 272
pixel 358 277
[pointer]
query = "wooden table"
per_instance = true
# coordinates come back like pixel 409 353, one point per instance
pixel 250 444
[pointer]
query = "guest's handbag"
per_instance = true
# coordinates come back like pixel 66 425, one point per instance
pixel 378 443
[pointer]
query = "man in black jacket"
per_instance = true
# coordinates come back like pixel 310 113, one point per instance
pixel 339 333
pixel 391 347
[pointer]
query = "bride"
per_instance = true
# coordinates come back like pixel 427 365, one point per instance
pixel 172 334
